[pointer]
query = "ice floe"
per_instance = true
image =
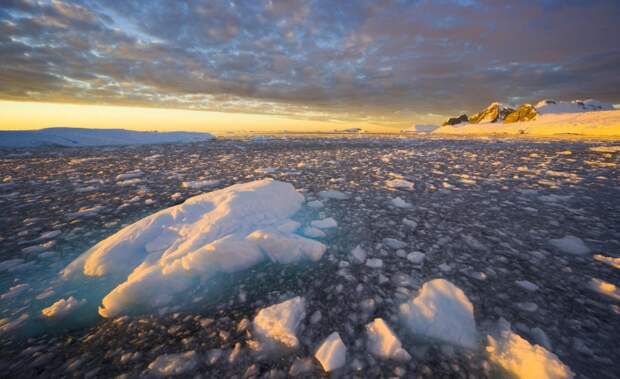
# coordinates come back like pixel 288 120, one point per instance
pixel 441 311
pixel 223 231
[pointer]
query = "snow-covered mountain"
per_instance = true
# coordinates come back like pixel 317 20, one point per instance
pixel 94 137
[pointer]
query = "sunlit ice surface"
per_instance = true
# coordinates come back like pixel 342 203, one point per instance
pixel 517 232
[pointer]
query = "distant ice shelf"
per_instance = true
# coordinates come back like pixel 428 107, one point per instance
pixel 76 137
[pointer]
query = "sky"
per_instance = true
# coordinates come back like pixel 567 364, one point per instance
pixel 296 65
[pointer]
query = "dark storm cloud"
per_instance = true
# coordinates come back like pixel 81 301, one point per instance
pixel 378 60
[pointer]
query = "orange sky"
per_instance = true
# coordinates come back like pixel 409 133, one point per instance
pixel 36 115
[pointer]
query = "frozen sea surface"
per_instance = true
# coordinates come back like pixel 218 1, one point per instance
pixel 524 229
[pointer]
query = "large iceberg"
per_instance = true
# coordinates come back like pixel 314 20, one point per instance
pixel 170 252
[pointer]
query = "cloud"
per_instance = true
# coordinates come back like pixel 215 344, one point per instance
pixel 384 61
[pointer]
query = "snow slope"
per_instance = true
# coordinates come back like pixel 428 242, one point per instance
pixel 587 124
pixel 575 106
pixel 170 252
pixel 94 137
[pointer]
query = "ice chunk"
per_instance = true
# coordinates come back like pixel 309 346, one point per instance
pixel 313 232
pixel 383 343
pixel 399 183
pixel 8 326
pixel 278 323
pixel 394 243
pixel 613 262
pixel 129 175
pixel 570 245
pixel 333 194
pixel 441 311
pixel 359 254
pixel 200 183
pixel 605 288
pixel 49 235
pixel 374 263
pixel 332 353
pixel 15 291
pixel 174 364
pixel 606 149
pixel 171 251
pixel 523 360
pixel 325 223
pixel 62 307
pixel 315 204
pixel 416 257
pixel 527 285
pixel 400 203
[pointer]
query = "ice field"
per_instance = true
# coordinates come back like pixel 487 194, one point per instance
pixel 355 257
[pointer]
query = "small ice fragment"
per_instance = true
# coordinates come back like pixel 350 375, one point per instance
pixel 332 353
pixel 527 285
pixel 416 257
pixel 394 243
pixel 400 203
pixel 358 254
pixel 63 307
pixel 278 323
pixel 374 263
pixel 383 343
pixel 174 364
pixel 570 245
pixel 605 288
pixel 325 223
pixel 333 194
pixel 315 204
pixel 313 232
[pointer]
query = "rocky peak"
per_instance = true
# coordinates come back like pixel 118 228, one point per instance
pixel 525 112
pixel 456 120
pixel 493 113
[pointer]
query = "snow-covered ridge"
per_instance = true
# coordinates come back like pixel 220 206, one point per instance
pixel 170 252
pixel 602 124
pixel 95 137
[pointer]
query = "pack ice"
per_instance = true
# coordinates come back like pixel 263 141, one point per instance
pixel 170 252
